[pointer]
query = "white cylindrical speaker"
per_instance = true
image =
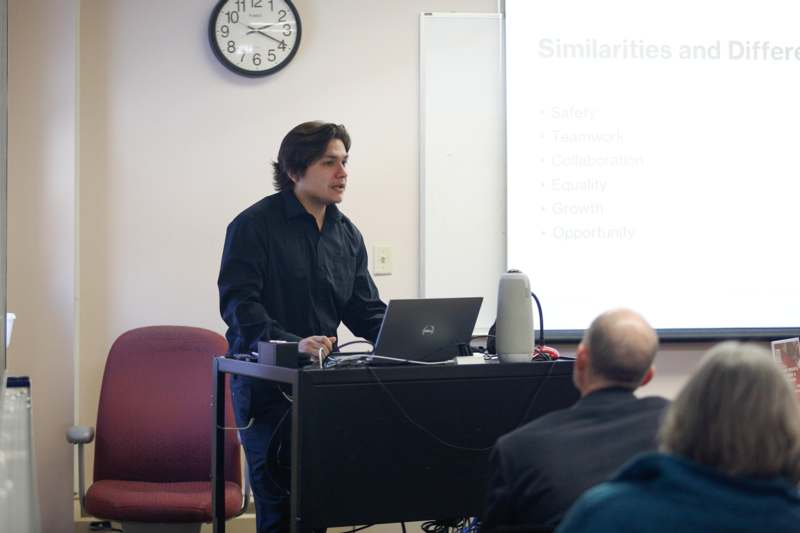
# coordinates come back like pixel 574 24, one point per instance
pixel 514 331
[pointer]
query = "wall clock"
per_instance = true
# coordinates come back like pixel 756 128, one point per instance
pixel 254 37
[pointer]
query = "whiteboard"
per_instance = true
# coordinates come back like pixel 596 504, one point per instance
pixel 462 158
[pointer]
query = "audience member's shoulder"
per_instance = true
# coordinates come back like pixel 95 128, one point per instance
pixel 654 402
pixel 539 428
pixel 600 508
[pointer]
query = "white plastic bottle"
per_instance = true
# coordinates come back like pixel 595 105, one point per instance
pixel 514 329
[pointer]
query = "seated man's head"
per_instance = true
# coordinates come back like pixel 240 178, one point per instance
pixel 738 414
pixel 616 351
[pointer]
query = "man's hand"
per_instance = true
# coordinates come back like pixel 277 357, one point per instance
pixel 311 346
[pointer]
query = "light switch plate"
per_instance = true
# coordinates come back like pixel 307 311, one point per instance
pixel 382 260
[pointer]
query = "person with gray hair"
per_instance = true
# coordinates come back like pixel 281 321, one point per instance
pixel 729 461
pixel 538 471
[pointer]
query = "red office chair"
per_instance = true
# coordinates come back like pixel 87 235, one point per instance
pixel 152 460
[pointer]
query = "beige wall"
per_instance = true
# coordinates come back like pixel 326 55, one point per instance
pixel 41 233
pixel 170 146
pixel 674 362
pixel 173 146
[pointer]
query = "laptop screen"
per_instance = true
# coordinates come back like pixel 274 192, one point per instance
pixel 428 329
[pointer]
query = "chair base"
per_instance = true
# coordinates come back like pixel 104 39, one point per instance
pixel 143 527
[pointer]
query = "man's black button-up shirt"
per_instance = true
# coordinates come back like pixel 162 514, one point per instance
pixel 283 278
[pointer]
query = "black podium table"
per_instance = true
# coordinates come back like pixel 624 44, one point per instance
pixel 395 444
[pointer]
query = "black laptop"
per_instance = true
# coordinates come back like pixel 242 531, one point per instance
pixel 426 330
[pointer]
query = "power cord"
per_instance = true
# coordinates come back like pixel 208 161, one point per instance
pixel 418 425
pixel 344 358
pixel 536 395
pixel 441 440
pixel 360 528
pixel 248 426
pixel 275 431
pixel 358 341
pixel 461 525
pixel 541 319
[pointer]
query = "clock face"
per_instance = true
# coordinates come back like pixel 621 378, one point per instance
pixel 254 37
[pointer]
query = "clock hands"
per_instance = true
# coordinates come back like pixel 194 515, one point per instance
pixel 260 31
pixel 271 37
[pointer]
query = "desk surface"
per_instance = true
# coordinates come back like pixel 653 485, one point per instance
pixel 402 372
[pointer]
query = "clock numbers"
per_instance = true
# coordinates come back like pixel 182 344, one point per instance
pixel 233 17
pixel 241 5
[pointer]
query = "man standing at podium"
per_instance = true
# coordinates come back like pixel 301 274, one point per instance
pixel 293 268
pixel 537 472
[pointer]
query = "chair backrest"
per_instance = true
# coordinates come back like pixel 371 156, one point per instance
pixel 154 418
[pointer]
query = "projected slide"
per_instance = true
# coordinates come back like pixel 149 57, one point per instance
pixel 654 159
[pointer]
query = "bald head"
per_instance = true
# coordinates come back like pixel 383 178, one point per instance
pixel 621 346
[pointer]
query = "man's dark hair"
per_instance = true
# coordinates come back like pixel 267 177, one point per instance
pixel 622 347
pixel 301 147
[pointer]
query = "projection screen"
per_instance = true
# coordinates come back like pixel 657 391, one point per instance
pixel 653 162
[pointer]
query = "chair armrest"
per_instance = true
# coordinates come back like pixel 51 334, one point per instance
pixel 80 434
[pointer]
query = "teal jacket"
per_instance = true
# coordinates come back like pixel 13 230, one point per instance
pixel 657 493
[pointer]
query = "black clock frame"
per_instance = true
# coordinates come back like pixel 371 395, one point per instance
pixel 212 39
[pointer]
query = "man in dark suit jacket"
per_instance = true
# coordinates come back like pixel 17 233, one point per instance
pixel 539 470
